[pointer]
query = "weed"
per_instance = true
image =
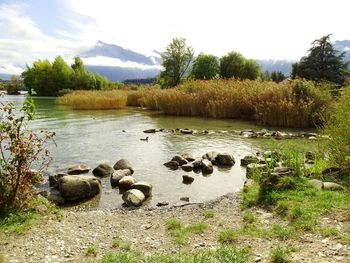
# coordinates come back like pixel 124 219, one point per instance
pixel 328 231
pixel 280 255
pixel 126 246
pixel 209 214
pixel 283 232
pixel 249 218
pixel 91 251
pixel 228 236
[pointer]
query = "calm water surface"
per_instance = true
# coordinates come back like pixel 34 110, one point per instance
pixel 92 137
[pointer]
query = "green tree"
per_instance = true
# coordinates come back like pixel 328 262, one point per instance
pixel 277 76
pixel 205 67
pixel 232 65
pixel 323 63
pixel 78 65
pixel 251 70
pixel 14 85
pixel 61 75
pixel 176 61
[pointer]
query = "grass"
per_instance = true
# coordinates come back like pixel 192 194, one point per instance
pixel 209 214
pixel 249 218
pixel 181 233
pixel 280 255
pixel 223 255
pixel 266 102
pixel 19 221
pixel 345 239
pixel 328 231
pixel 119 243
pixel 91 251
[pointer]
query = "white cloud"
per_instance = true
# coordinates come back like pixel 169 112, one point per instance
pixel 114 62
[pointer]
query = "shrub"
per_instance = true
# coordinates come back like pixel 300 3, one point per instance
pixel 21 151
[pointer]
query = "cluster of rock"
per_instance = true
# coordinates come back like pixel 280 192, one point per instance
pixel 203 164
pixel 73 186
pixel 264 133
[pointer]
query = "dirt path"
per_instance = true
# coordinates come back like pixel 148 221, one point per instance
pixel 68 240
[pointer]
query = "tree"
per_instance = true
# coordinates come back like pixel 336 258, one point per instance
pixel 232 65
pixel 251 70
pixel 61 75
pixel 205 67
pixel 176 62
pixel 323 63
pixel 14 85
pixel 277 76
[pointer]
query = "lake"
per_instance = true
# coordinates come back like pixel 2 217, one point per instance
pixel 93 137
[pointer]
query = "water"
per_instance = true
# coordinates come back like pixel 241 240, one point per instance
pixel 93 137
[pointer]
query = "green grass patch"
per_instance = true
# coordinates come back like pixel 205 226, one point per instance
pixel 209 214
pixel 91 251
pixel 345 239
pixel 283 232
pixel 280 255
pixel 181 233
pixel 328 231
pixel 19 221
pixel 222 255
pixel 249 218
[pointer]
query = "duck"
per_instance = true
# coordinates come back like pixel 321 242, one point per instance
pixel 144 139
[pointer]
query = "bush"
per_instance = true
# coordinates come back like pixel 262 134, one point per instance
pixel 21 151
pixel 338 129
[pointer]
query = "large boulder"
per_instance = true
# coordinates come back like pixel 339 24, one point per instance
pixel 207 167
pixel 118 175
pixel 123 164
pixel 74 187
pixel 255 168
pixel 211 156
pixel 173 165
pixel 197 164
pixel 78 169
pixel 188 157
pixel 225 159
pixel 53 179
pixel 144 187
pixel 103 170
pixel 181 160
pixel 126 182
pixel 249 159
pixel 133 197
pixel 53 196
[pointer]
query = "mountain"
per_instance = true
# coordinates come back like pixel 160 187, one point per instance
pixel 343 46
pixel 270 65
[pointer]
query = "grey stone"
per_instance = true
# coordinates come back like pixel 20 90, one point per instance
pixel 186 179
pixel 197 164
pixel 126 182
pixel 207 167
pixel 53 179
pixel 173 165
pixel 186 131
pixel 330 186
pixel 123 164
pixel 78 169
pixel 188 157
pixel 188 167
pixel 117 175
pixel 103 170
pixel 318 184
pixel 179 159
pixel 74 187
pixel 249 159
pixel 211 156
pixel 225 159
pixel 144 187
pixel 133 197
pixel 185 199
pixel 150 131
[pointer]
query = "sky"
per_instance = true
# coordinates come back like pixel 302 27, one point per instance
pixel 259 29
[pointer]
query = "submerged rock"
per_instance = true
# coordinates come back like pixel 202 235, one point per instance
pixel 150 131
pixel 207 167
pixel 225 159
pixel 188 167
pixel 75 187
pixel 186 131
pixel 211 156
pixel 197 164
pixel 133 197
pixel 123 164
pixel 188 157
pixel 103 170
pixel 186 179
pixel 181 160
pixel 173 165
pixel 78 169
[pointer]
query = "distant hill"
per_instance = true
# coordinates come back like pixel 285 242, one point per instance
pixel 270 65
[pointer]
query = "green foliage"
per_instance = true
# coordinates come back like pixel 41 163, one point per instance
pixel 249 218
pixel 338 129
pixel 323 63
pixel 50 79
pixel 91 251
pixel 222 255
pixel 21 150
pixel 205 67
pixel 280 255
pixel 176 62
pixel 14 85
pixel 181 233
pixel 234 65
pixel 209 214
pixel 228 236
pixel 328 231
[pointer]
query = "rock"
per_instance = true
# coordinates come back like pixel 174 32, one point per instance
pixel 283 171
pixel 261 132
pixel 78 169
pixel 173 165
pixel 144 187
pixel 318 184
pixel 126 182
pixel 118 175
pixel 133 197
pixel 207 167
pixel 249 159
pixel 186 131
pixel 123 164
pixel 197 164
pixel 211 156
pixel 179 159
pixel 330 186
pixel 312 138
pixel 255 168
pixel 150 131
pixel 185 199
pixel 187 179
pixel 103 170
pixel 188 167
pixel 53 179
pixel 225 159
pixel 188 157
pixel 74 187
pixel 248 134
pixel 309 134
pixel 162 204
